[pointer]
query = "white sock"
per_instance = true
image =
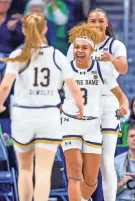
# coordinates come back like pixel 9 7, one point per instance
pixel 109 177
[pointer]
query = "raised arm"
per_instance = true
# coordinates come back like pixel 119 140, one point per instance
pixel 77 95
pixel 67 75
pixel 6 86
pixel 118 57
pixel 123 101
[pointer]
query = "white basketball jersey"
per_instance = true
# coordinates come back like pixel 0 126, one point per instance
pixel 106 45
pixel 114 47
pixel 37 83
pixel 91 83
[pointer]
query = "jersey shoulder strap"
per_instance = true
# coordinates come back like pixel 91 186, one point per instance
pixel 99 71
pixel 54 59
pixel 110 45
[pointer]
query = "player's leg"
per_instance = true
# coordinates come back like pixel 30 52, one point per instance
pixel 92 148
pixel 47 137
pixel 22 135
pixel 43 170
pixel 73 159
pixel 72 146
pixel 109 177
pixel 91 169
pixel 110 129
pixel 25 168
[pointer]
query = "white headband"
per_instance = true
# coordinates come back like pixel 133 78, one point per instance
pixel 87 40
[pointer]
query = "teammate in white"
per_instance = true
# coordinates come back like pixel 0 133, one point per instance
pixel 82 139
pixel 38 70
pixel 115 52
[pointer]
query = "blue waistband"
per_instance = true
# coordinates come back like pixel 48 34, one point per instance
pixel 34 107
pixel 83 118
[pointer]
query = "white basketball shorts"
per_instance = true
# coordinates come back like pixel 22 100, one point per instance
pixel 36 127
pixel 81 134
pixel 109 120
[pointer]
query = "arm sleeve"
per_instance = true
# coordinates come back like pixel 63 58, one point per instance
pixel 64 65
pixel 70 56
pixel 13 67
pixel 119 49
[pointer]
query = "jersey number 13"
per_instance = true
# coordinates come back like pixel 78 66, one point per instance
pixel 46 79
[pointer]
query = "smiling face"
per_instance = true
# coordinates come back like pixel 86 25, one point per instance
pixel 98 20
pixel 82 51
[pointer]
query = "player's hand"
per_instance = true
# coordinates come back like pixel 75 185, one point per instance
pixel 106 56
pixel 123 110
pixel 80 113
pixel 2 108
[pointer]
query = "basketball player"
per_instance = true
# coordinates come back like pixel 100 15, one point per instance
pixel 38 70
pixel 114 51
pixel 82 139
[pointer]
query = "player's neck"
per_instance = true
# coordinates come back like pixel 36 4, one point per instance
pixel 83 65
pixel 104 36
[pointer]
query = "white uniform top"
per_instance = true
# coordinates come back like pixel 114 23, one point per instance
pixel 91 82
pixel 114 47
pixel 37 83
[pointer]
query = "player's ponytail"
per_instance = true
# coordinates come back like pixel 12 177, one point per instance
pixel 109 29
pixel 33 26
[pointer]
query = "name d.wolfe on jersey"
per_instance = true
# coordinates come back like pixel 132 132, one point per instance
pixel 41 92
pixel 87 82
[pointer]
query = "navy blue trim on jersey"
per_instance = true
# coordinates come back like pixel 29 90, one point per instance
pixel 91 66
pixel 104 44
pixel 35 139
pixel 89 69
pixel 72 136
pixel 83 118
pixel 99 72
pixel 93 143
pixel 110 47
pixel 55 60
pixel 21 71
pixel 73 67
pixel 34 107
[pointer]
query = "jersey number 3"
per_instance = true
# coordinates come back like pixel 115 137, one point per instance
pixel 85 95
pixel 46 78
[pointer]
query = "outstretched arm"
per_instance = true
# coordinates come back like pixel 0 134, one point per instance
pixel 5 87
pixel 123 101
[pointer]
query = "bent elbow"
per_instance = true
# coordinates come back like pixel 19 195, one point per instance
pixel 4 87
pixel 125 69
pixel 124 72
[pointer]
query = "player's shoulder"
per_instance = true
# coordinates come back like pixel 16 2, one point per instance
pixel 117 43
pixel 15 53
